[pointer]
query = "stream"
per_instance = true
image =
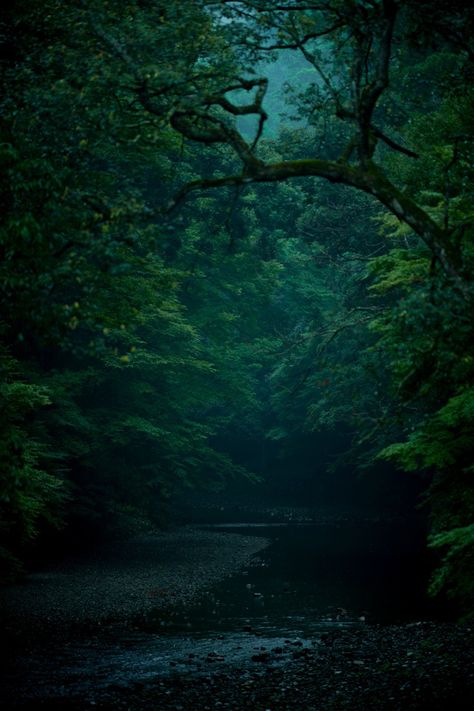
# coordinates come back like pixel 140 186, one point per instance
pixel 311 579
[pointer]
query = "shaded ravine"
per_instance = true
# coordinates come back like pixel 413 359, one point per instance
pixel 311 580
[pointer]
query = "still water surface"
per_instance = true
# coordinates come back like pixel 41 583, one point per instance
pixel 314 576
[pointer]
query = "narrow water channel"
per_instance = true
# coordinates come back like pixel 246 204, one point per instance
pixel 310 579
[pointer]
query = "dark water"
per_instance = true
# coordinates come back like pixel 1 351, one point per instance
pixel 310 579
pixel 314 576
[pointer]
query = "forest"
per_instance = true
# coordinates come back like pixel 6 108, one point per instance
pixel 235 235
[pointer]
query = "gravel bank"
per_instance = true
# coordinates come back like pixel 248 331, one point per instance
pixel 124 579
pixel 416 667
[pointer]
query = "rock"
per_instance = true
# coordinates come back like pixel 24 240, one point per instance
pixel 212 657
pixel 327 639
pixel 263 657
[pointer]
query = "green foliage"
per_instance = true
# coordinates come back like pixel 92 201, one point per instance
pixel 389 352
pixel 399 268
pixel 113 388
pixel 455 573
pixel 30 493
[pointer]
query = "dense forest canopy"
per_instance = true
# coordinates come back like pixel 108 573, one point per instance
pixel 157 334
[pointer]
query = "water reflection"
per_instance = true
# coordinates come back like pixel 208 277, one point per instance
pixel 312 577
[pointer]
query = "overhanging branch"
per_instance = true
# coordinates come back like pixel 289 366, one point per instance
pixel 368 178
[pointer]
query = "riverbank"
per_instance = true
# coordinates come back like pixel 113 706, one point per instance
pixel 416 667
pixel 89 634
pixel 123 580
